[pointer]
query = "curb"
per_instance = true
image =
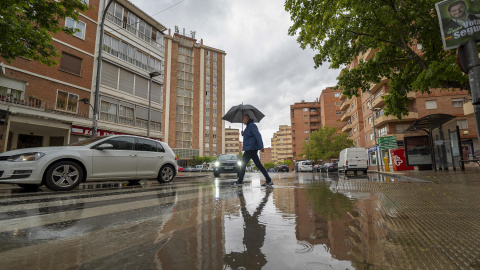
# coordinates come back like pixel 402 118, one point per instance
pixel 400 176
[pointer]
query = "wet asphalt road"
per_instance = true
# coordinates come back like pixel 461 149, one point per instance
pixel 306 221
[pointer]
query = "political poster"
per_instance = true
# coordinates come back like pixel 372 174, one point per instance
pixel 459 21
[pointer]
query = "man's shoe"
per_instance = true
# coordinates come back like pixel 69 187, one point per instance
pixel 267 184
pixel 237 184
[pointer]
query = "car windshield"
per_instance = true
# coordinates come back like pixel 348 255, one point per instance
pixel 227 157
pixel 307 163
pixel 87 141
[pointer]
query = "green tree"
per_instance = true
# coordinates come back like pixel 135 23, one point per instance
pixel 269 165
pixel 26 27
pixel 202 160
pixel 287 162
pixel 342 30
pixel 326 143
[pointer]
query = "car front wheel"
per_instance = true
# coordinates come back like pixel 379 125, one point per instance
pixel 63 175
pixel 166 174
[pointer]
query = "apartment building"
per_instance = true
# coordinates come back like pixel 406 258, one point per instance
pixel 282 144
pixel 305 118
pixel 232 141
pixel 133 54
pixel 266 155
pixel 40 105
pixel 194 96
pixel 330 112
pixel 360 113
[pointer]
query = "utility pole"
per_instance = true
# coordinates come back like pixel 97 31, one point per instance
pixel 473 70
pixel 374 133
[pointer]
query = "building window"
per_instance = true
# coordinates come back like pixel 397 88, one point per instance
pixel 382 132
pixel 125 115
pixel 337 94
pixel 457 102
pixel 372 135
pixel 430 104
pixel 400 128
pixel 338 103
pixel 81 26
pixel 305 109
pixel 108 111
pixel 66 101
pixel 462 124
pixel 306 131
pixel 71 64
pixel 339 112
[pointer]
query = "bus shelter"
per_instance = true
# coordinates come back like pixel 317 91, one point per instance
pixel 439 149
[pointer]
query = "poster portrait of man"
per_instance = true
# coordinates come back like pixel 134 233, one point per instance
pixel 459 21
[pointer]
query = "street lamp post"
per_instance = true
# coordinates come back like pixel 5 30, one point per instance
pixel 374 133
pixel 99 66
pixel 151 74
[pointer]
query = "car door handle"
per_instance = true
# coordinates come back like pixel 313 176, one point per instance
pixel 133 155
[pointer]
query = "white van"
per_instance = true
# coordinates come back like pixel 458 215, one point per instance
pixel 304 166
pixel 353 159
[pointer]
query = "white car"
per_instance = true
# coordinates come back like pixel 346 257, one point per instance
pixel 304 166
pixel 98 158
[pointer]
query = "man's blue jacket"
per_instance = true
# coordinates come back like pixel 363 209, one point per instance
pixel 252 139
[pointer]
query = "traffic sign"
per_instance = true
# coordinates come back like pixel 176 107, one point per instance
pixel 388 142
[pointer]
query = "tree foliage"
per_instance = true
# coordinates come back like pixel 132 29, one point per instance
pixel 344 29
pixel 326 143
pixel 269 165
pixel 287 162
pixel 202 160
pixel 26 27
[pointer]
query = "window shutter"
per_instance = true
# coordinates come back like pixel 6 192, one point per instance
pixel 126 81
pixel 141 113
pixel 71 64
pixel 157 93
pixel 141 87
pixel 12 84
pixel 109 75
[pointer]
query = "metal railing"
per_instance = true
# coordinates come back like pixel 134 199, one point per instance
pixel 42 105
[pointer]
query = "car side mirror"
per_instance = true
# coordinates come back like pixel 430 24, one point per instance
pixel 105 146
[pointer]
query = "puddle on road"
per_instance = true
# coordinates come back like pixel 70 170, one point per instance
pixel 306 221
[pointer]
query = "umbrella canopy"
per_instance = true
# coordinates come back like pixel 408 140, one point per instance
pixel 234 115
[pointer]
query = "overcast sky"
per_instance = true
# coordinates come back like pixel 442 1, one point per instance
pixel 265 67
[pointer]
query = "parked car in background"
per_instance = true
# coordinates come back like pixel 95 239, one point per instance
pixel 330 167
pixel 353 159
pixel 304 166
pixel 281 168
pixel 227 163
pixel 317 167
pixel 181 169
pixel 117 157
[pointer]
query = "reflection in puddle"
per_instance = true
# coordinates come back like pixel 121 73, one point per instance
pixel 306 221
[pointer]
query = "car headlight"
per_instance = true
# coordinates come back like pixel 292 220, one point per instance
pixel 239 163
pixel 217 164
pixel 26 157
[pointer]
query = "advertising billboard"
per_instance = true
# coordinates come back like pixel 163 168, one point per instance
pixel 459 21
pixel 417 150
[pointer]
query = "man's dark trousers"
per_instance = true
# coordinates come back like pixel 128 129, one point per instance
pixel 253 155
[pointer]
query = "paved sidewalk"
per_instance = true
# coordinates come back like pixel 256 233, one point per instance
pixel 470 176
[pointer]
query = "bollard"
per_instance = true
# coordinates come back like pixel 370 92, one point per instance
pixel 385 160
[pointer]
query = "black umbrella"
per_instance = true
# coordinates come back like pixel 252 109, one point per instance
pixel 234 115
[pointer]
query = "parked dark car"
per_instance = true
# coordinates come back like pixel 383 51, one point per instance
pixel 281 168
pixel 317 168
pixel 227 163
pixel 330 167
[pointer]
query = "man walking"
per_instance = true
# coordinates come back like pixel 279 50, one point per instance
pixel 252 142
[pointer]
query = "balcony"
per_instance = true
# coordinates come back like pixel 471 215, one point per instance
pixel 347 127
pixel 345 104
pixel 411 95
pixel 37 104
pixel 379 101
pixel 387 119
pixel 346 116
pixel 374 87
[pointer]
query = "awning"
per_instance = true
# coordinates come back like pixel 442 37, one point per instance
pixel 430 122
